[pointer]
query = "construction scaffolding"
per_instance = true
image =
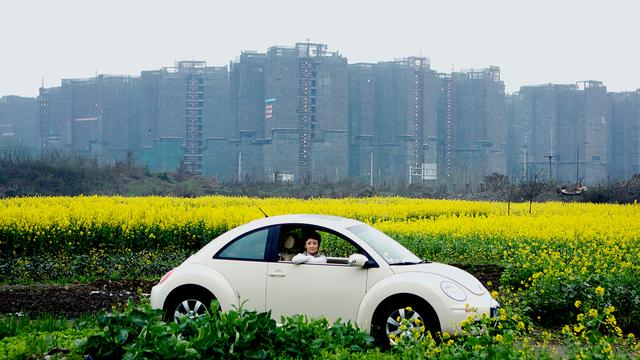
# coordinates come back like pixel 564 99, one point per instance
pixel 448 123
pixel 43 102
pixel 418 111
pixel 306 103
pixel 193 148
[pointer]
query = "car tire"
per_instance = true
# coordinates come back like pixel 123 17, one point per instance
pixel 417 316
pixel 190 302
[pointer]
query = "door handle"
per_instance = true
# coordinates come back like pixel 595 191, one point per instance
pixel 277 273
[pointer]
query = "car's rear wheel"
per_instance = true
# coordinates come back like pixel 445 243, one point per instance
pixel 187 304
pixel 403 318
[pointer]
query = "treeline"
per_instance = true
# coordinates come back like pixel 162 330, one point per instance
pixel 59 173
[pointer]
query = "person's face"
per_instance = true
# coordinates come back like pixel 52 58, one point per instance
pixel 312 245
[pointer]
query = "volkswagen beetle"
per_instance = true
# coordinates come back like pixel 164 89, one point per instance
pixel 368 279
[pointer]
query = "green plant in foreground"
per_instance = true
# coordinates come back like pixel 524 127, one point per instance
pixel 138 333
pixel 596 334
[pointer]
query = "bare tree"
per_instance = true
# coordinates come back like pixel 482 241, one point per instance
pixel 533 185
pixel 501 186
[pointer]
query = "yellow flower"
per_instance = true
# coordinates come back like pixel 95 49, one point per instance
pixel 577 303
pixel 600 290
pixel 593 312
pixel 578 328
pixel 408 308
pixel 494 294
pixel 498 338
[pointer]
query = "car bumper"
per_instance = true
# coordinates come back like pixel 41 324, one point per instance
pixel 156 298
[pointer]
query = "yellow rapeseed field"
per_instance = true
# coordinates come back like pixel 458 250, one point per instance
pixel 561 262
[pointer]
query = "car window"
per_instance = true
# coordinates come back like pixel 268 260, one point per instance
pixel 392 252
pixel 248 247
pixel 336 246
pixel 291 242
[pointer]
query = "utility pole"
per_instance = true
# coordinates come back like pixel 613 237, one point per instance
pixel 526 161
pixel 371 168
pixel 577 163
pixel 240 166
pixel 550 157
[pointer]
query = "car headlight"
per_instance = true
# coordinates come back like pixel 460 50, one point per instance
pixel 453 291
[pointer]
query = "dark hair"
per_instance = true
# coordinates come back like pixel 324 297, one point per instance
pixel 311 234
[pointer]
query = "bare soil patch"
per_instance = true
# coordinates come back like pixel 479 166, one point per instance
pixel 71 300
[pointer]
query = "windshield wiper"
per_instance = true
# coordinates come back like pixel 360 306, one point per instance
pixel 410 262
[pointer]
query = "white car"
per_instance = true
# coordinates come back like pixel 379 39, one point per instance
pixel 369 279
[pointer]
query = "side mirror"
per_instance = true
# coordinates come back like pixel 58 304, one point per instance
pixel 358 260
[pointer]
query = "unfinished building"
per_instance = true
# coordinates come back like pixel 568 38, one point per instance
pixel 533 126
pixel 95 117
pixel 362 109
pixel 185 119
pixel 306 119
pixel 249 113
pixel 561 132
pixel 472 127
pixel 19 125
pixel 393 121
pixel 583 134
pixel 625 135
pixel 55 114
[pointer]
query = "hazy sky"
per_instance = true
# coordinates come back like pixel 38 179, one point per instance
pixel 533 42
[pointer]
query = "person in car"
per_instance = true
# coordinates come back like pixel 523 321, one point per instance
pixel 311 255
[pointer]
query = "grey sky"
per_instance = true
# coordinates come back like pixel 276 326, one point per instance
pixel 533 42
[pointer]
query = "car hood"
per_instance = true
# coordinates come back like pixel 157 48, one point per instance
pixel 452 273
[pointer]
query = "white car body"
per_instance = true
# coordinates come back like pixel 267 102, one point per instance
pixel 332 291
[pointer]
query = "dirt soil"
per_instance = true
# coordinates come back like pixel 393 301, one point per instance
pixel 77 299
pixel 71 300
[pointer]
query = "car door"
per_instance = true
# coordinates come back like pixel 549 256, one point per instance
pixel 242 263
pixel 329 290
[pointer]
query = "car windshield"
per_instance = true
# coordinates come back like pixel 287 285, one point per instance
pixel 392 252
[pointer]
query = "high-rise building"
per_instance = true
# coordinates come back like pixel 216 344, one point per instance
pixel 19 124
pixel 55 117
pixel 472 127
pixel 95 117
pixel 249 113
pixel 561 132
pixel 306 109
pixel 185 119
pixel 583 134
pixel 393 127
pixel 533 141
pixel 362 109
pixel 625 135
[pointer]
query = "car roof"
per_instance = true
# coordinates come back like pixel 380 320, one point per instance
pixel 329 221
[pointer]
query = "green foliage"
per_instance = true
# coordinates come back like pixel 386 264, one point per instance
pixel 36 344
pixel 13 325
pixel 85 268
pixel 138 333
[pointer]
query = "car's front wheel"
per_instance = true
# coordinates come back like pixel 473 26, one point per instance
pixel 403 318
pixel 188 303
